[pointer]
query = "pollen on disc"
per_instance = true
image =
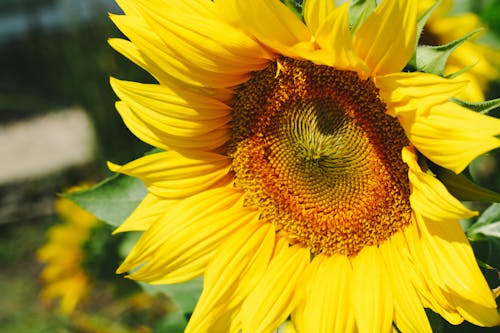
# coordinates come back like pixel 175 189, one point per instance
pixel 315 151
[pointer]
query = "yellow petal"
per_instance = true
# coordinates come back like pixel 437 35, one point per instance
pixel 334 37
pixel 280 30
pixel 178 246
pixel 175 175
pixel 168 124
pixel 477 314
pixel 272 299
pixel 190 209
pixel 165 57
pixel 449 28
pixel 387 39
pixel 130 51
pixel 239 262
pixel 409 314
pixel 182 128
pixel 193 7
pixel 429 197
pixel 197 45
pixel 128 7
pixel 449 270
pixel 316 12
pixel 149 210
pixel 450 135
pixel 326 306
pixel 432 294
pixel 70 290
pixel 288 327
pixel 371 295
pixel 473 91
pixel 412 91
pixel 177 104
pixel 157 138
pixel 449 262
pixel 186 252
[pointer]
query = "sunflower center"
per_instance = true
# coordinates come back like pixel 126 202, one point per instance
pixel 314 149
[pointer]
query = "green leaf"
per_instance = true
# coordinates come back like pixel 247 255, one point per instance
pixel 493 258
pixel 359 10
pixel 490 214
pixel 174 322
pixel 487 225
pixel 460 71
pixel 432 59
pixel 462 187
pixel 130 238
pixel 481 107
pixel 185 295
pixel 422 20
pixel 112 200
pixel 485 238
pixel 489 230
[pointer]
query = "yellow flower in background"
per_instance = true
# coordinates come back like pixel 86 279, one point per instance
pixel 293 176
pixel 63 275
pixel 443 28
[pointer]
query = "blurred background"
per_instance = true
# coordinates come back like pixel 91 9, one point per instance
pixel 58 126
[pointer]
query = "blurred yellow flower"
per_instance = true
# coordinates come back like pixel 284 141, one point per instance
pixel 63 275
pixel 442 28
pixel 293 176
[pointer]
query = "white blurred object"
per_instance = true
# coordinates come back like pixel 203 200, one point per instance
pixel 47 144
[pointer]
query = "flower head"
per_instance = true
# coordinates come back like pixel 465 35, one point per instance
pixel 483 60
pixel 294 176
pixel 63 275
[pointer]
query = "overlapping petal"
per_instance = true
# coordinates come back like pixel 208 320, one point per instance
pixel 384 54
pixel 151 134
pixel 452 262
pixel 196 42
pixel 263 314
pixel 190 246
pixel 316 12
pixel 131 51
pixel 416 91
pixel 175 175
pixel 432 295
pixel 195 227
pixel 449 279
pixel 289 35
pixel 371 298
pixel 326 302
pixel 149 210
pixel 229 279
pixel 409 314
pixel 450 135
pixel 154 108
pixel 335 39
pixel 429 197
pixel 175 104
pixel 165 57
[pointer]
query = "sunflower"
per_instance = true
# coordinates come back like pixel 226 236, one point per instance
pixel 63 275
pixel 295 171
pixel 483 60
